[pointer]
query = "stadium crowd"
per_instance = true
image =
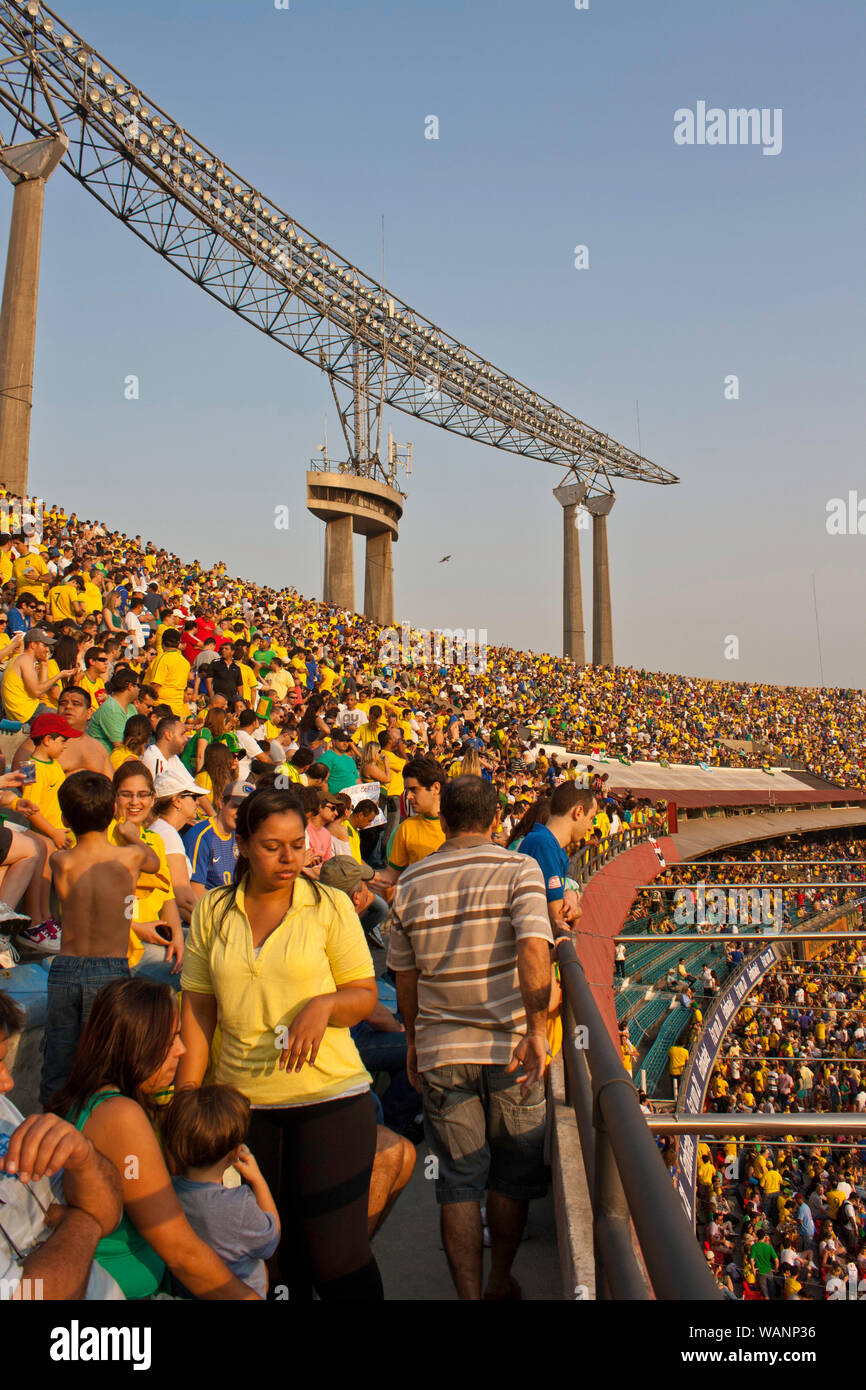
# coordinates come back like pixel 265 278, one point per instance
pixel 786 859
pixel 237 793
pixel 786 1218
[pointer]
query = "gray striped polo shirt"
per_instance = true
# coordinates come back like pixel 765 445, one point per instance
pixel 456 918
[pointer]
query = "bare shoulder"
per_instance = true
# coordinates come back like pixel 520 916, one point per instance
pixel 60 860
pixel 114 1122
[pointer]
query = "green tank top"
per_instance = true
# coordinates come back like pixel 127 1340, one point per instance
pixel 125 1254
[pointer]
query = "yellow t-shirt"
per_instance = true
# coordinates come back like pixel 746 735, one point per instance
pixel 171 673
pixel 51 696
pixel 49 779
pixel 92 597
pixel 18 704
pixel 677 1058
pixel 152 891
pixel 94 690
pixel 395 786
pixel 280 682
pixel 249 681
pixel 118 756
pixel 316 947
pixel 60 601
pixel 31 574
pixel 354 840
pixel 414 839
pixel 368 733
pixel 771 1182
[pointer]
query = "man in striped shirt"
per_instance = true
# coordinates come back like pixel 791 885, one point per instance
pixel 470 945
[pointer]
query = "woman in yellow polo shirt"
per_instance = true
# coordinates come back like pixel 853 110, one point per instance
pixel 283 964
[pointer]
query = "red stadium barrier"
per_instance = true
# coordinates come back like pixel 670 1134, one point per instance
pixel 606 900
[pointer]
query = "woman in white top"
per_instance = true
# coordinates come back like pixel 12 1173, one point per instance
pixel 175 807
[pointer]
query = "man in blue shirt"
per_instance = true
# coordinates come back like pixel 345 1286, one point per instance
pixel 312 672
pixel 805 1221
pixel 571 814
pixel 20 615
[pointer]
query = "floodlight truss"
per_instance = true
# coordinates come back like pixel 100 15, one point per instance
pixel 239 246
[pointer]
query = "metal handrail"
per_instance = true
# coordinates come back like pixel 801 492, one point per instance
pixel 590 858
pixel 629 1183
pixel 738 1123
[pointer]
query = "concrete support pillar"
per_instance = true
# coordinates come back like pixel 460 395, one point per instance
pixel 339 582
pixel 602 620
pixel 379 580
pixel 569 496
pixel 28 167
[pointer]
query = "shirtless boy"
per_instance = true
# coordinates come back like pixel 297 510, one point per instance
pixel 95 883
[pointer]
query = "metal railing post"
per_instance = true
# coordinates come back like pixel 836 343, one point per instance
pixel 631 1183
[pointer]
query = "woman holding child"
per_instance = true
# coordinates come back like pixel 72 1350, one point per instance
pixel 127 1056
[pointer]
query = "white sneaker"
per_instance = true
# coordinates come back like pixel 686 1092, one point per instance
pixel 44 937
pixel 8 914
pixel 8 954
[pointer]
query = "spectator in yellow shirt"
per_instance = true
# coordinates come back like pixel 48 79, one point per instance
pixel 92 596
pixel 93 681
pixel 31 574
pixel 421 833
pixel 170 673
pixel 677 1058
pixel 39 803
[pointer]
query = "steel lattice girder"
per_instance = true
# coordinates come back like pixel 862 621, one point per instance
pixel 210 224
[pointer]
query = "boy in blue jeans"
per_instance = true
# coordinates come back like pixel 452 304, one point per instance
pixel 95 883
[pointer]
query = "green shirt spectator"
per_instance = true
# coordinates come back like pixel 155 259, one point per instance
pixel 764 1256
pixel 342 768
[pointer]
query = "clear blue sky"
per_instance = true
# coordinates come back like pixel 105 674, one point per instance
pixel 556 128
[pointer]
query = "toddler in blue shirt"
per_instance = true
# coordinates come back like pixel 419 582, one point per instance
pixel 203 1133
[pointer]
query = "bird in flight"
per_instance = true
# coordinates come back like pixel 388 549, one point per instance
pixel 444 558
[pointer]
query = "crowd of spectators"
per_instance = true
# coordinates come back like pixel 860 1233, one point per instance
pixel 195 764
pixel 785 1217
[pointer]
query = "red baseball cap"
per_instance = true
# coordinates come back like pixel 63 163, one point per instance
pixel 45 724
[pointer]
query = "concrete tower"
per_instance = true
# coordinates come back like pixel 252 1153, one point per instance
pixel 349 505
pixel 569 496
pixel 28 167
pixel 602 620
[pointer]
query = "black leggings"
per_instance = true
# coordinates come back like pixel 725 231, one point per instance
pixel 317 1161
